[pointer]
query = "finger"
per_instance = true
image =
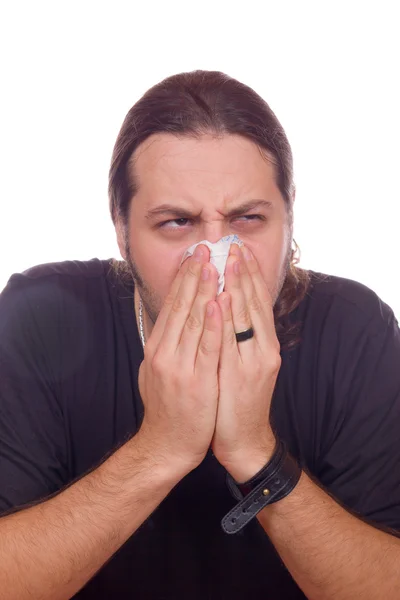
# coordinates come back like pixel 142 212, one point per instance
pixel 260 303
pixel 182 304
pixel 209 347
pixel 240 313
pixel 234 250
pixel 257 315
pixel 260 286
pixel 159 326
pixel 193 329
pixel 246 281
pixel 229 348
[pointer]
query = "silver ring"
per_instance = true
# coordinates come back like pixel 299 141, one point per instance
pixel 244 335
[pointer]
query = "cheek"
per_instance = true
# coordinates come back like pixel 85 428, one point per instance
pixel 158 268
pixel 271 257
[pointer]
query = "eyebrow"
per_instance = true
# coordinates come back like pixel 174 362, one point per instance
pixel 170 209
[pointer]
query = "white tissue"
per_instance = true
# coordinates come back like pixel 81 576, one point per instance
pixel 219 253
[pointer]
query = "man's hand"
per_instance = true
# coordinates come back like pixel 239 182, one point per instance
pixel 243 441
pixel 178 379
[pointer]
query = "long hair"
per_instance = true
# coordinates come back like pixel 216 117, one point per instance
pixel 203 102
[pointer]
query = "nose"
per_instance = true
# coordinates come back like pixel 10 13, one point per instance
pixel 214 231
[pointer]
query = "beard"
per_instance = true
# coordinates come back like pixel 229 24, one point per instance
pixel 152 302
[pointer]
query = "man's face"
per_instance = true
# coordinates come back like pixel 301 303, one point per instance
pixel 196 189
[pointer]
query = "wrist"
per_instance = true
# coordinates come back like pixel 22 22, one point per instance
pixel 163 464
pixel 247 468
pixel 272 483
pixel 133 466
pixel 247 463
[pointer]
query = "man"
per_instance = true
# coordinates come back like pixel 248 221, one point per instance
pixel 137 405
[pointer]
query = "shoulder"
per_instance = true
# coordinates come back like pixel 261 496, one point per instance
pixel 339 300
pixel 68 268
pixel 72 273
pixel 50 290
pixel 55 312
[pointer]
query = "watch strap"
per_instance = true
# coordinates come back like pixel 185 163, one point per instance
pixel 273 483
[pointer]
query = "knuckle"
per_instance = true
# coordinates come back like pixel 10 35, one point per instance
pixel 243 314
pixel 230 338
pixel 177 305
pixel 193 323
pixel 267 303
pixel 255 304
pixel 207 347
pixel 204 289
pixel 278 362
pixel 193 270
pixel 275 363
pixel 226 317
pixel 158 364
pixel 169 299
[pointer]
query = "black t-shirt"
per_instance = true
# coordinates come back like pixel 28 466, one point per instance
pixel 69 358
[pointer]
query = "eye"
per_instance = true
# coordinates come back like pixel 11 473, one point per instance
pixel 178 223
pixel 181 222
pixel 252 217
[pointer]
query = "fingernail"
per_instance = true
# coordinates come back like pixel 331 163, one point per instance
pixel 205 274
pixel 247 253
pixel 198 253
pixel 236 267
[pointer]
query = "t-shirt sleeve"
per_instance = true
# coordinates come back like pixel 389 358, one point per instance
pixel 361 462
pixel 33 454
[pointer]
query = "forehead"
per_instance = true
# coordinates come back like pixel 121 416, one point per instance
pixel 230 160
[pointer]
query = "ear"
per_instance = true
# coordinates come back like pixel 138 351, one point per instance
pixel 121 237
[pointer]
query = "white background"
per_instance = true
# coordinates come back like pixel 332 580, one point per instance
pixel 330 70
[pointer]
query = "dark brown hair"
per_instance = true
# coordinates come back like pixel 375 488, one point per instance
pixel 200 102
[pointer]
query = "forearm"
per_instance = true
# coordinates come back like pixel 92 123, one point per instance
pixel 49 551
pixel 331 554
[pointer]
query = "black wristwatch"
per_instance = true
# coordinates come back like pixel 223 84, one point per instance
pixel 275 481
